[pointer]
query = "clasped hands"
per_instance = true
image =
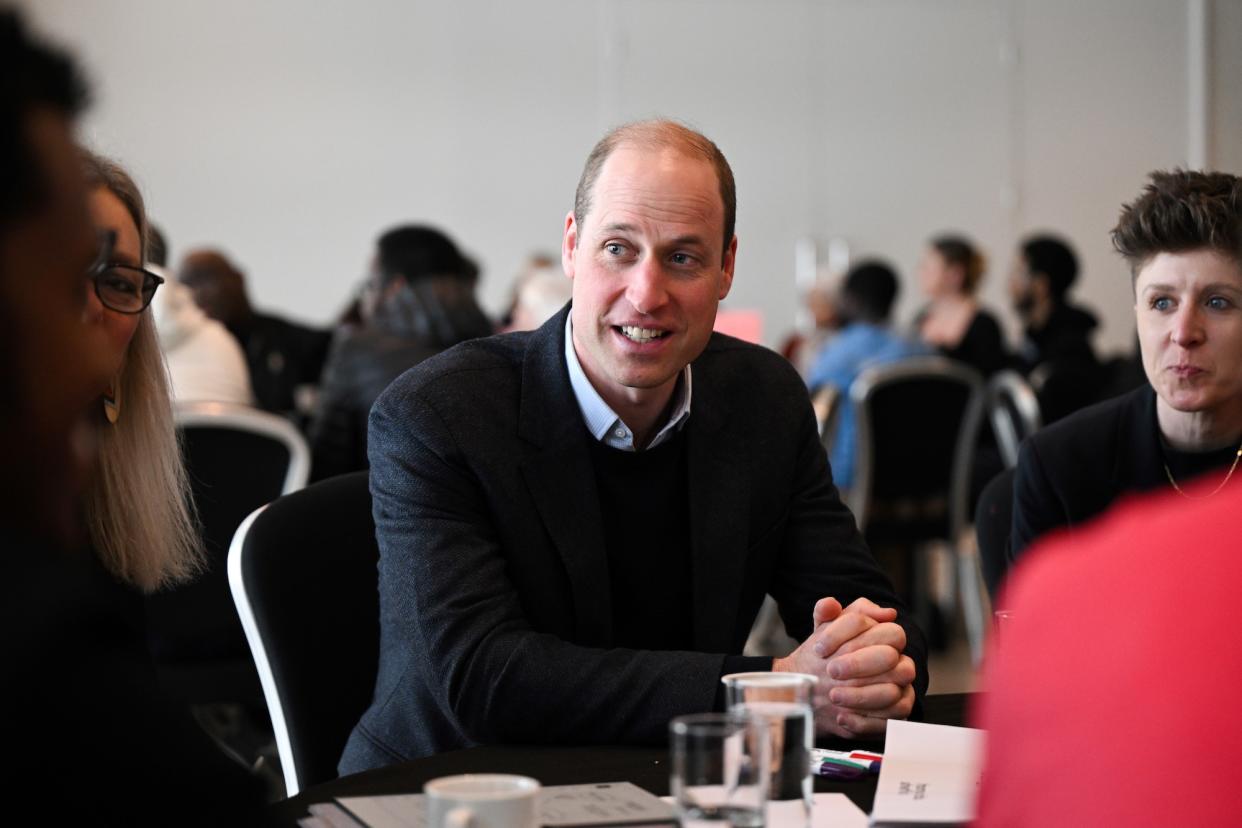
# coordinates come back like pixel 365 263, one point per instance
pixel 864 677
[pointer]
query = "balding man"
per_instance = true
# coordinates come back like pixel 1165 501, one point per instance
pixel 578 524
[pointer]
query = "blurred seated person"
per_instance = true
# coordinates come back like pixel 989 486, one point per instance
pixel 953 322
pixel 281 355
pixel 865 339
pixel 1182 238
pixel 1056 351
pixel 137 504
pixel 801 348
pixel 1155 759
pixel 419 300
pixel 205 362
pixel 93 739
pixel 541 295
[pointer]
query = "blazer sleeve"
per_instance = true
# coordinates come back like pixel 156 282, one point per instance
pixel 447 601
pixel 824 555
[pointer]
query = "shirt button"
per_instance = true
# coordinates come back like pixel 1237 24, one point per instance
pixel 620 432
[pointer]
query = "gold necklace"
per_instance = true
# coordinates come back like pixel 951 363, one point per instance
pixel 1236 456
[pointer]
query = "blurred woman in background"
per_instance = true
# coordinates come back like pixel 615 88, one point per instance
pixel 137 505
pixel 952 322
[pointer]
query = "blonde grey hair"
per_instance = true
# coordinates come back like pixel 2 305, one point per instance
pixel 138 507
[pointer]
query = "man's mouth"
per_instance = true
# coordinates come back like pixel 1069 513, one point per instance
pixel 637 334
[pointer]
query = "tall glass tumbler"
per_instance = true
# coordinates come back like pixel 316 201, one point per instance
pixel 720 769
pixel 784 699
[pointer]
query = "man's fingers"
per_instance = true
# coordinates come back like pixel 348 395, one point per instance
pixel 875 721
pixel 868 697
pixel 872 610
pixel 869 661
pixel 826 609
pixel 891 634
pixel 901 675
pixel 835 633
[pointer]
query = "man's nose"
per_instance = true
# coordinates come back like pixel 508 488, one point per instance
pixel 647 291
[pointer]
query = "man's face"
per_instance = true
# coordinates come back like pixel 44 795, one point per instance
pixel 649 268
pixel 54 358
pixel 1021 285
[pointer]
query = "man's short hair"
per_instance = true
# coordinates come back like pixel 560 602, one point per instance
pixel 32 76
pixel 869 290
pixel 416 252
pixel 1179 212
pixel 1055 259
pixel 659 134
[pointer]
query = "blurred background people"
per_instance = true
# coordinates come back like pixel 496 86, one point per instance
pixel 1056 353
pixel 953 322
pixel 282 356
pixel 137 503
pixel 418 301
pixel 1182 238
pixel 542 293
pixel 205 362
pixel 801 347
pixel 865 339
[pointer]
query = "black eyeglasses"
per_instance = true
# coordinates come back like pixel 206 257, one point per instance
pixel 122 288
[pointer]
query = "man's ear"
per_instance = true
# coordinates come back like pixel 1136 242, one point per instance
pixel 726 268
pixel 569 244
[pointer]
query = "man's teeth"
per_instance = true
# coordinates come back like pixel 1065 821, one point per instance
pixel 641 334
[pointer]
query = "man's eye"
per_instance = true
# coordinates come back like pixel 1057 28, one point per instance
pixel 1219 303
pixel 1162 303
pixel 614 248
pixel 680 259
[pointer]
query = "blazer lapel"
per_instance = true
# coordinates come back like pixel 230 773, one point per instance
pixel 557 468
pixel 719 514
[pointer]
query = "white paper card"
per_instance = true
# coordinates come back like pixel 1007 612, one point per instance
pixel 930 775
pixel 560 806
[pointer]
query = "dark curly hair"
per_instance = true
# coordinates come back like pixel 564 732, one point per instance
pixel 1180 211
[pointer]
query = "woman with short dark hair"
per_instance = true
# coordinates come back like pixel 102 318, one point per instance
pixel 1183 241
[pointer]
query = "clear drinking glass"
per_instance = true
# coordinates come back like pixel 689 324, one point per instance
pixel 720 769
pixel 784 700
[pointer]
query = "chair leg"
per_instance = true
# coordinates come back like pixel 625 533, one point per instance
pixel 970 589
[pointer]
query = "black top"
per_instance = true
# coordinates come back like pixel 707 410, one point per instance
pixel 645 508
pixel 84 723
pixel 982 346
pixel 1073 470
pixel 281 355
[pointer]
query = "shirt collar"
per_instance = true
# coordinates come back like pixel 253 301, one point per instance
pixel 602 421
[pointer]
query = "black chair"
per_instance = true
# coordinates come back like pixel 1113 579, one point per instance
pixel 238 459
pixel 304 576
pixel 918 422
pixel 1013 412
pixel 993 523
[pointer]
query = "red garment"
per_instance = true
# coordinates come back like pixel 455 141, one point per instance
pixel 1116 697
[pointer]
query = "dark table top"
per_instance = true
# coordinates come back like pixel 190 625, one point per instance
pixel 646 767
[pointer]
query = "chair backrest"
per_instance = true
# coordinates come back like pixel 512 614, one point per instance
pixel 1014 413
pixel 304 575
pixel 917 421
pixel 238 459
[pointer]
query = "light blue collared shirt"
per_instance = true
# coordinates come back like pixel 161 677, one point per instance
pixel 602 421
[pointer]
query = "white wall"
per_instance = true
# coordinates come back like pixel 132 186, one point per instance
pixel 292 133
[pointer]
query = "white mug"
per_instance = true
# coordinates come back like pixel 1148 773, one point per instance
pixel 482 800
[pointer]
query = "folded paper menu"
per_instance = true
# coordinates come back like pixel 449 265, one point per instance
pixel 930 775
pixel 560 806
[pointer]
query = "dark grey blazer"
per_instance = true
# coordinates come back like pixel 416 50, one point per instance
pixel 495 605
pixel 1074 469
